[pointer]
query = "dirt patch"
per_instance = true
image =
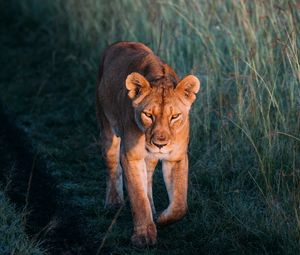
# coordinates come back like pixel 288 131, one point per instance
pixel 49 217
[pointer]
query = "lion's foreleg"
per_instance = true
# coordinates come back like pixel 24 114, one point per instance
pixel 176 180
pixel 136 183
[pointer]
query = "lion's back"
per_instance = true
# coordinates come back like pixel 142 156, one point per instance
pixel 118 60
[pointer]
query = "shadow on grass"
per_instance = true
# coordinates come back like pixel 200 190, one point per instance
pixel 48 218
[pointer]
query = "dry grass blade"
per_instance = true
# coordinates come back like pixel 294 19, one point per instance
pixel 29 188
pixel 113 222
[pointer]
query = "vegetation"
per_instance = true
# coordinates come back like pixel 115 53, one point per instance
pixel 13 239
pixel 245 139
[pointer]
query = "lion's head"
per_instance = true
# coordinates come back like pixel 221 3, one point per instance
pixel 161 110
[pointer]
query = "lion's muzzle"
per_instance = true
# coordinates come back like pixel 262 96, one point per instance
pixel 160 139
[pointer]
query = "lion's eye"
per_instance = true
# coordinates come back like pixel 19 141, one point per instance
pixel 148 115
pixel 175 116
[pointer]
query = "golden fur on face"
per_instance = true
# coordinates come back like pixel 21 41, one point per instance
pixel 161 115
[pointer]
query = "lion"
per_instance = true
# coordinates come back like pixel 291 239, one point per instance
pixel 143 113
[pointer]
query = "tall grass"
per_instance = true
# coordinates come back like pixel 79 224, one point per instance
pixel 245 139
pixel 245 53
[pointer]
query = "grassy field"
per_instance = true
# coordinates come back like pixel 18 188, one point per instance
pixel 244 187
pixel 13 239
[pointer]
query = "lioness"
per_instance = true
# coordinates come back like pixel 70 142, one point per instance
pixel 143 112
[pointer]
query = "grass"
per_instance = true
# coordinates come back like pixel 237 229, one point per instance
pixel 244 150
pixel 13 239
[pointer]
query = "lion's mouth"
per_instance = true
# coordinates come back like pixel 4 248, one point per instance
pixel 155 150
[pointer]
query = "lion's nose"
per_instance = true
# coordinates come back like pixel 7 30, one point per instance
pixel 160 140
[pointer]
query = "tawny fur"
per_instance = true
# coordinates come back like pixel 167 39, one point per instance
pixel 143 112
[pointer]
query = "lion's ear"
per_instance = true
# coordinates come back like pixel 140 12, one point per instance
pixel 187 88
pixel 138 87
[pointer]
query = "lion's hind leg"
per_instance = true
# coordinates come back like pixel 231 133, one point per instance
pixel 150 164
pixel 111 154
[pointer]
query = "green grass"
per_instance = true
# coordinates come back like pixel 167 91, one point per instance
pixel 245 137
pixel 13 239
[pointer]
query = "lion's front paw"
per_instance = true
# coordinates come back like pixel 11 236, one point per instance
pixel 171 215
pixel 144 236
